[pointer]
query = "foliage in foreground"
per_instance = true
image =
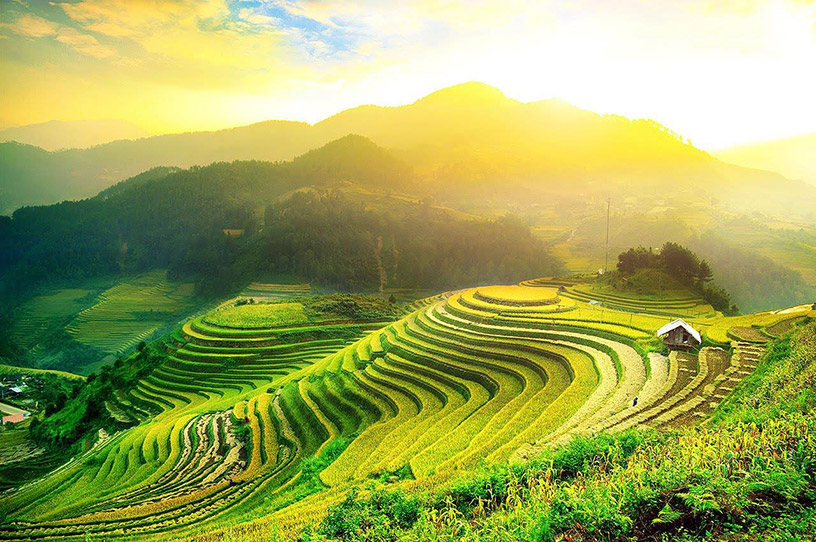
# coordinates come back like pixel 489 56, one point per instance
pixel 84 413
pixel 749 474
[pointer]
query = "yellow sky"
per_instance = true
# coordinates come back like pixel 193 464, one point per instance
pixel 718 72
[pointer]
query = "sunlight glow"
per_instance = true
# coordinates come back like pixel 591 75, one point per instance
pixel 699 67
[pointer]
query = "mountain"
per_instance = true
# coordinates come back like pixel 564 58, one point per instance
pixel 468 143
pixel 475 121
pixel 177 219
pixel 80 173
pixel 77 134
pixel 792 156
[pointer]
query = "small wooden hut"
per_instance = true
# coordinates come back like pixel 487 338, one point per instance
pixel 679 335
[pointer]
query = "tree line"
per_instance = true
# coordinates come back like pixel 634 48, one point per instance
pixel 340 243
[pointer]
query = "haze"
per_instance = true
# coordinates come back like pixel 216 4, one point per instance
pixel 700 67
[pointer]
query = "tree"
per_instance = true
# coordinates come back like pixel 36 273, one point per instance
pixel 637 258
pixel 680 262
pixel 704 274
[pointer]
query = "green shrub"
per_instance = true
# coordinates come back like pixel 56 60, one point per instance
pixel 377 517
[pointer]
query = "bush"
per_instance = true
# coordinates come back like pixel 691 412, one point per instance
pixel 377 517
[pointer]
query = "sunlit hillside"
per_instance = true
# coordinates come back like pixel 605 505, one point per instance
pixel 280 409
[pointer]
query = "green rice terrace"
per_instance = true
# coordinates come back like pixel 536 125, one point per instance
pixel 267 415
pixel 130 312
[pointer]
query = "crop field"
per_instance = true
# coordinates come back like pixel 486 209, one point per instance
pixel 131 311
pixel 671 303
pixel 36 316
pixel 262 418
pixel 264 291
pixel 254 316
pixel 797 255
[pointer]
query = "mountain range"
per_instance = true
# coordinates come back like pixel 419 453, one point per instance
pixel 467 142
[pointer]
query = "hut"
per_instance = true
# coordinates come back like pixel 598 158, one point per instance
pixel 680 335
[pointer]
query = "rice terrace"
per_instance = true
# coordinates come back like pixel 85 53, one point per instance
pixel 530 271
pixel 258 408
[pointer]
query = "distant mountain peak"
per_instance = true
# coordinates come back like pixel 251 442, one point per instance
pixel 351 145
pixel 472 92
pixel 351 141
pixel 352 157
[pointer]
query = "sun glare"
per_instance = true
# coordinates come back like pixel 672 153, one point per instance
pixel 697 67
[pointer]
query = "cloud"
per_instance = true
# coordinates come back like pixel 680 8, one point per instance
pixel 83 43
pixel 134 19
pixel 193 43
pixel 687 63
pixel 32 26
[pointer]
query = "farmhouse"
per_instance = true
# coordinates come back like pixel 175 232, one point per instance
pixel 679 335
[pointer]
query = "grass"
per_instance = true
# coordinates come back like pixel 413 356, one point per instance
pixel 750 475
pixel 13 369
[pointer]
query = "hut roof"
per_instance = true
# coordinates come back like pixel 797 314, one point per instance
pixel 680 323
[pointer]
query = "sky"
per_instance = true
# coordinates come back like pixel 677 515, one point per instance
pixel 718 72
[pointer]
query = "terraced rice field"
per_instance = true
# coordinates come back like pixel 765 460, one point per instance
pixel 676 304
pixel 266 292
pixel 259 315
pixel 131 312
pixel 39 315
pixel 486 374
pixel 184 462
pixel 20 458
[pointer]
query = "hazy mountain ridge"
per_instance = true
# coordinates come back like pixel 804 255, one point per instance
pixel 79 173
pixel 464 141
pixel 76 134
pixel 791 156
pixel 149 220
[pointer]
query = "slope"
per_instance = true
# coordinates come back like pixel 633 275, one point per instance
pixel 246 419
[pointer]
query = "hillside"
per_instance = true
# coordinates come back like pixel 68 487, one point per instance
pixel 68 271
pixel 181 220
pixel 80 173
pixel 84 282
pixel 268 413
pixel 461 140
pixel 792 156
